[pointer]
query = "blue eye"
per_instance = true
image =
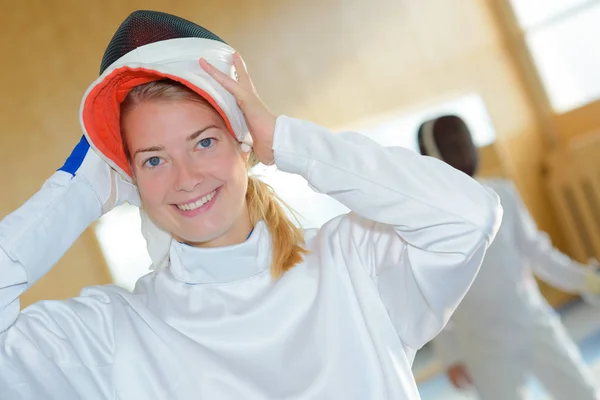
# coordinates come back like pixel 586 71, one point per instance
pixel 153 161
pixel 206 143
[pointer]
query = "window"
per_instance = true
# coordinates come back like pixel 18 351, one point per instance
pixel 562 36
pixel 400 128
pixel 119 232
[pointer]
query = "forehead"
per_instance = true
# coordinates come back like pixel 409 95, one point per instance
pixel 170 118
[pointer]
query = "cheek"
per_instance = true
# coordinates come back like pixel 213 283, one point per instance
pixel 230 166
pixel 152 188
pixel 235 177
pixel 240 172
pixel 233 174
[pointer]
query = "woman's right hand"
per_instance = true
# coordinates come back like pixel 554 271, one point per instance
pixel 110 188
pixel 260 121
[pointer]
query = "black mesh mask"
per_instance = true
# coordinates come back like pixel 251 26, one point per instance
pixel 450 138
pixel 144 27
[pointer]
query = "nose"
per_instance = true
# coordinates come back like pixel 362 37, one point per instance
pixel 187 176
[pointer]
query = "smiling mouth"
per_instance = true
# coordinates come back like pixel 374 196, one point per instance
pixel 198 203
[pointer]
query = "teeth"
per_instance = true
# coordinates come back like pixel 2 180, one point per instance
pixel 199 203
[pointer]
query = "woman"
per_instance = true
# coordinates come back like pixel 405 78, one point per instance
pixel 241 304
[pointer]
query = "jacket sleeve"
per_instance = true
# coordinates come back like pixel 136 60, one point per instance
pixel 420 227
pixel 547 262
pixel 50 344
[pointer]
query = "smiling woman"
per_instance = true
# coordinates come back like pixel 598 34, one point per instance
pixel 241 304
pixel 185 164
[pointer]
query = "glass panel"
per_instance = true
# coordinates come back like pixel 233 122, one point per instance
pixel 533 12
pixel 402 130
pixel 567 57
pixel 120 237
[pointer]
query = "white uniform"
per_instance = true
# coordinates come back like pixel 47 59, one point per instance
pixel 504 330
pixel 344 324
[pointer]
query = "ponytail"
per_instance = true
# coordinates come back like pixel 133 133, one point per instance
pixel 287 239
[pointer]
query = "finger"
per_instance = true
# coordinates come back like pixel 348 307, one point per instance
pixel 242 71
pixel 223 79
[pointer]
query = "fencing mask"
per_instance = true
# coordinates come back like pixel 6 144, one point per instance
pixel 150 46
pixel 448 138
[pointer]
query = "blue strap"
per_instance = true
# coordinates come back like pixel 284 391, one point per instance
pixel 76 158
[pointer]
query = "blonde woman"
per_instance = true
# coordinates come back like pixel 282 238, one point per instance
pixel 241 304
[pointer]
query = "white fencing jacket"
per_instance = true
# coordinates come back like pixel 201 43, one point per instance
pixel 378 283
pixel 504 302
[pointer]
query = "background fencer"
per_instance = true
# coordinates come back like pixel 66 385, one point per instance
pixel 504 330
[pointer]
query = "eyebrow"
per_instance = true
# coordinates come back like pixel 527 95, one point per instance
pixel 200 132
pixel 189 138
pixel 148 149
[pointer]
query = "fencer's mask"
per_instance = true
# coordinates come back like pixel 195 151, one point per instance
pixel 448 138
pixel 150 46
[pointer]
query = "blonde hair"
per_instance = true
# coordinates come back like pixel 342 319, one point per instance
pixel 263 204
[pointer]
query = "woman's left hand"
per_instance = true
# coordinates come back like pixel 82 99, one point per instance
pixel 260 121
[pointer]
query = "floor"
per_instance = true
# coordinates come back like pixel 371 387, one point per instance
pixel 582 321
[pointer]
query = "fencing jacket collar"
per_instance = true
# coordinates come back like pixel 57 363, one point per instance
pixel 222 264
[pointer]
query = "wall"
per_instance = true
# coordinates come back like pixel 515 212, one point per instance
pixel 579 122
pixel 329 61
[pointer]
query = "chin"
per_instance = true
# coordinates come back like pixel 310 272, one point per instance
pixel 199 237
